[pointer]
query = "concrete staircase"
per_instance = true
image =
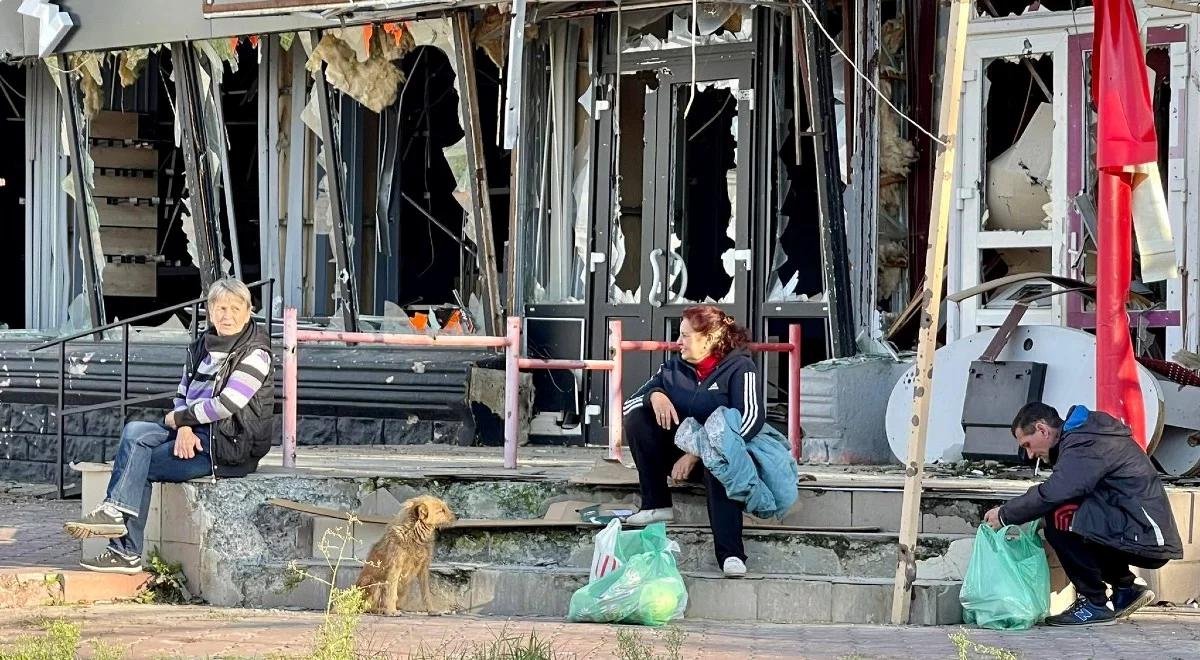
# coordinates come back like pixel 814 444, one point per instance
pixel 797 575
pixel 834 562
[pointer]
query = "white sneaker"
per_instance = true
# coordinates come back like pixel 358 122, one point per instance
pixel 647 516
pixel 733 568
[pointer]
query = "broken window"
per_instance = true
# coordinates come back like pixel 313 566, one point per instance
pixel 560 245
pixel 666 28
pixel 431 219
pixel 1018 151
pixel 637 93
pixel 1158 74
pixel 1001 8
pixel 794 229
pixel 703 194
pixel 1018 127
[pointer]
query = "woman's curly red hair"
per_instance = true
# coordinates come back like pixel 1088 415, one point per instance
pixel 714 323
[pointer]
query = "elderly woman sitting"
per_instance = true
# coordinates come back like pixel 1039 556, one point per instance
pixel 221 425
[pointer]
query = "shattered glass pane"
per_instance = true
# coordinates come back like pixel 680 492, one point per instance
pixel 703 195
pixel 1018 127
pixel 625 252
pixel 560 253
pixel 668 28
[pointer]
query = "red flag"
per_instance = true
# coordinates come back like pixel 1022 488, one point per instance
pixel 1125 144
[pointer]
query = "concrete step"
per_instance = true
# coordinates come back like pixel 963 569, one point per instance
pixel 946 512
pixel 511 590
pixel 37 586
pixel 772 551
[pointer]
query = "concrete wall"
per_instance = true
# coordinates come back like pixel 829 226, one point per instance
pixel 29 442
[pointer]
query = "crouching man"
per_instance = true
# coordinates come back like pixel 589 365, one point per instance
pixel 1105 509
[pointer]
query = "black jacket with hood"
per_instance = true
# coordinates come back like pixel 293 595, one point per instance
pixel 1122 502
pixel 237 443
pixel 733 384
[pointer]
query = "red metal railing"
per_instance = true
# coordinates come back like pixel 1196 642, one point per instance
pixel 513 364
pixel 616 398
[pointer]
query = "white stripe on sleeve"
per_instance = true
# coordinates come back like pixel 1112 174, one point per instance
pixel 749 403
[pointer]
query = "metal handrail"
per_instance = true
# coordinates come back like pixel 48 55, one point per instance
pixel 125 401
pixel 141 317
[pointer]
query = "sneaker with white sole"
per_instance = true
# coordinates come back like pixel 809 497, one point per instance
pixel 111 561
pixel 104 521
pixel 733 567
pixel 648 516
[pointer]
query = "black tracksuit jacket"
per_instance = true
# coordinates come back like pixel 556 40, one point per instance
pixel 733 384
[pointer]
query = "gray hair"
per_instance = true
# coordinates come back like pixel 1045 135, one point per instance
pixel 229 287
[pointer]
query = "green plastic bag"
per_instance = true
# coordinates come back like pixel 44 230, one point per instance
pixel 646 588
pixel 1008 580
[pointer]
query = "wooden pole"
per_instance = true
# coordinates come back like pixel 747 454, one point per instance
pixel 935 266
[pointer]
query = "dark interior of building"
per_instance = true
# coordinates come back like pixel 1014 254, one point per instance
pixel 12 193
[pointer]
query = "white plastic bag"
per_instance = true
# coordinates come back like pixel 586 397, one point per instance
pixel 604 557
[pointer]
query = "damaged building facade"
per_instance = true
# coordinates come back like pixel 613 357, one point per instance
pixel 397 166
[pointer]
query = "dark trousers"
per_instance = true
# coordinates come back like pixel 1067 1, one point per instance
pixel 1090 565
pixel 655 453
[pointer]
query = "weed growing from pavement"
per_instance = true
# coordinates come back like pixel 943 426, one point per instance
pixel 337 636
pixel 966 646
pixel 105 651
pixel 60 641
pixel 633 645
pixel 503 646
pixel 166 584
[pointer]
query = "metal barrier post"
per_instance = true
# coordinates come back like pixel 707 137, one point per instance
pixel 124 374
pixel 62 395
pixel 512 386
pixel 290 393
pixel 616 399
pixel 793 427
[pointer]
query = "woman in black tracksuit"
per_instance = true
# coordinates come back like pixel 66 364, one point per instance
pixel 713 369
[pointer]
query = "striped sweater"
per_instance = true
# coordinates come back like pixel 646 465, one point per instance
pixel 195 401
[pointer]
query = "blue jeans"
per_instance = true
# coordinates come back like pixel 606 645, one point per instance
pixel 144 457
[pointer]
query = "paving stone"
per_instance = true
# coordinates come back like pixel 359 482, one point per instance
pixel 30 419
pixel 13 447
pixel 723 600
pixel 876 509
pixel 316 430
pixel 795 601
pixel 820 508
pixel 452 433
pixel 84 449
pixel 359 431
pixel 103 423
pixel 73 424
pixel 861 603
pixel 407 431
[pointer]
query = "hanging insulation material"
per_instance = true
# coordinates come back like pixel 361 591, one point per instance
pixel 491 34
pixel 130 64
pixel 395 41
pixel 372 82
pixel 91 81
pixel 226 51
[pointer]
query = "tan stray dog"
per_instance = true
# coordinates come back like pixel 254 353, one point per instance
pixel 404 553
